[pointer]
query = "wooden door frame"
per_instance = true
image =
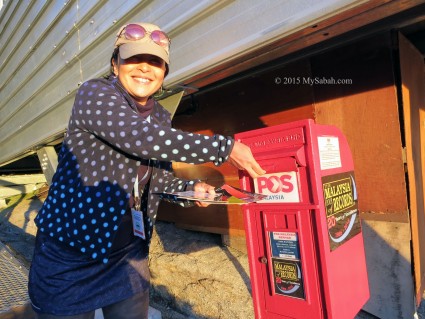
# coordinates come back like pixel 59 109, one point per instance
pixel 412 71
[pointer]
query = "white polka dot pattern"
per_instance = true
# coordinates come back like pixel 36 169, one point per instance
pixel 105 142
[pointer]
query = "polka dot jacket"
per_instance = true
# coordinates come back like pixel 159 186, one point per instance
pixel 106 141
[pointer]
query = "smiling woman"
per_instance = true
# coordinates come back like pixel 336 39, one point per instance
pixel 96 223
pixel 141 75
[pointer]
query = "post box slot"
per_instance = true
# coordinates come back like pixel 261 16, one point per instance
pixel 296 153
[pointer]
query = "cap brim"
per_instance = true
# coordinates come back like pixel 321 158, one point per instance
pixel 128 50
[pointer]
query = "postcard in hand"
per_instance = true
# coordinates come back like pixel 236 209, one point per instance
pixel 225 194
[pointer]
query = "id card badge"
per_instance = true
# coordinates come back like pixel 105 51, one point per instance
pixel 138 224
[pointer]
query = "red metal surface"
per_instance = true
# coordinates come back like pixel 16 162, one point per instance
pixel 305 246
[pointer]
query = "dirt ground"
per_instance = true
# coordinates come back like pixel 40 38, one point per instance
pixel 193 274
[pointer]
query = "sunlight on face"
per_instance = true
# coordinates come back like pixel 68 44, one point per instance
pixel 141 75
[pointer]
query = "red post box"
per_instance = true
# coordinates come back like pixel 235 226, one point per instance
pixel 305 244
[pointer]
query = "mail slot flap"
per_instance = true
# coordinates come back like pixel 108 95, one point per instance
pixel 267 143
pixel 279 164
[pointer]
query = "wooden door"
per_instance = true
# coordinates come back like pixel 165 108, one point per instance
pixel 412 71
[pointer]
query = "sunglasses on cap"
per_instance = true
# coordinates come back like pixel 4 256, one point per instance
pixel 134 32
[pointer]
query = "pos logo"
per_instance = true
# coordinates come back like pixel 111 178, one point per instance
pixel 281 187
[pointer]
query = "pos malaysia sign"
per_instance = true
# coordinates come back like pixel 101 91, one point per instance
pixel 280 187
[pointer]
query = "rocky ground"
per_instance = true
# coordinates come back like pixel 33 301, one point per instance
pixel 193 274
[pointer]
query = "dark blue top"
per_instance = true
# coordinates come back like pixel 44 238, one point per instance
pixel 106 141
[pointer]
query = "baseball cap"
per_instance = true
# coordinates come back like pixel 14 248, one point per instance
pixel 142 38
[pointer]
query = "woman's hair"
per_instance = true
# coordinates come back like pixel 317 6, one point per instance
pixel 114 59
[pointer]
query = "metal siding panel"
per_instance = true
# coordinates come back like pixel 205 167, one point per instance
pixel 46 82
pixel 20 31
pixel 241 27
pixel 5 14
pixel 7 18
pixel 45 127
pixel 97 34
pixel 50 47
pixel 27 60
pixel 52 91
pixel 47 35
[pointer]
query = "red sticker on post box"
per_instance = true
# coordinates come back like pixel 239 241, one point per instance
pixel 280 187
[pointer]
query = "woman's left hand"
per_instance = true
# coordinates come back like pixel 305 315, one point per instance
pixel 203 188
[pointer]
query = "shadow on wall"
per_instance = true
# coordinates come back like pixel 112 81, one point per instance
pixel 387 247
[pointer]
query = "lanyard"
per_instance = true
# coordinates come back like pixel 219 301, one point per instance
pixel 136 182
pixel 136 194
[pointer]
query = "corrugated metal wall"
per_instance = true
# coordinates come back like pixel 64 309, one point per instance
pixel 48 48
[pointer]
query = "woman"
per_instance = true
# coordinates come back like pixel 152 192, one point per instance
pixel 96 223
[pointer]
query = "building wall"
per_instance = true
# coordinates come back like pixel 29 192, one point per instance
pixel 366 109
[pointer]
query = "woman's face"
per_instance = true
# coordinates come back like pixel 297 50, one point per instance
pixel 141 75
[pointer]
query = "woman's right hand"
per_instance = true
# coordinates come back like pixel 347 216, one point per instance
pixel 241 157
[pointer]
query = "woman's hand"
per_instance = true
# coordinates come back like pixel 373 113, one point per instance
pixel 202 187
pixel 241 157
